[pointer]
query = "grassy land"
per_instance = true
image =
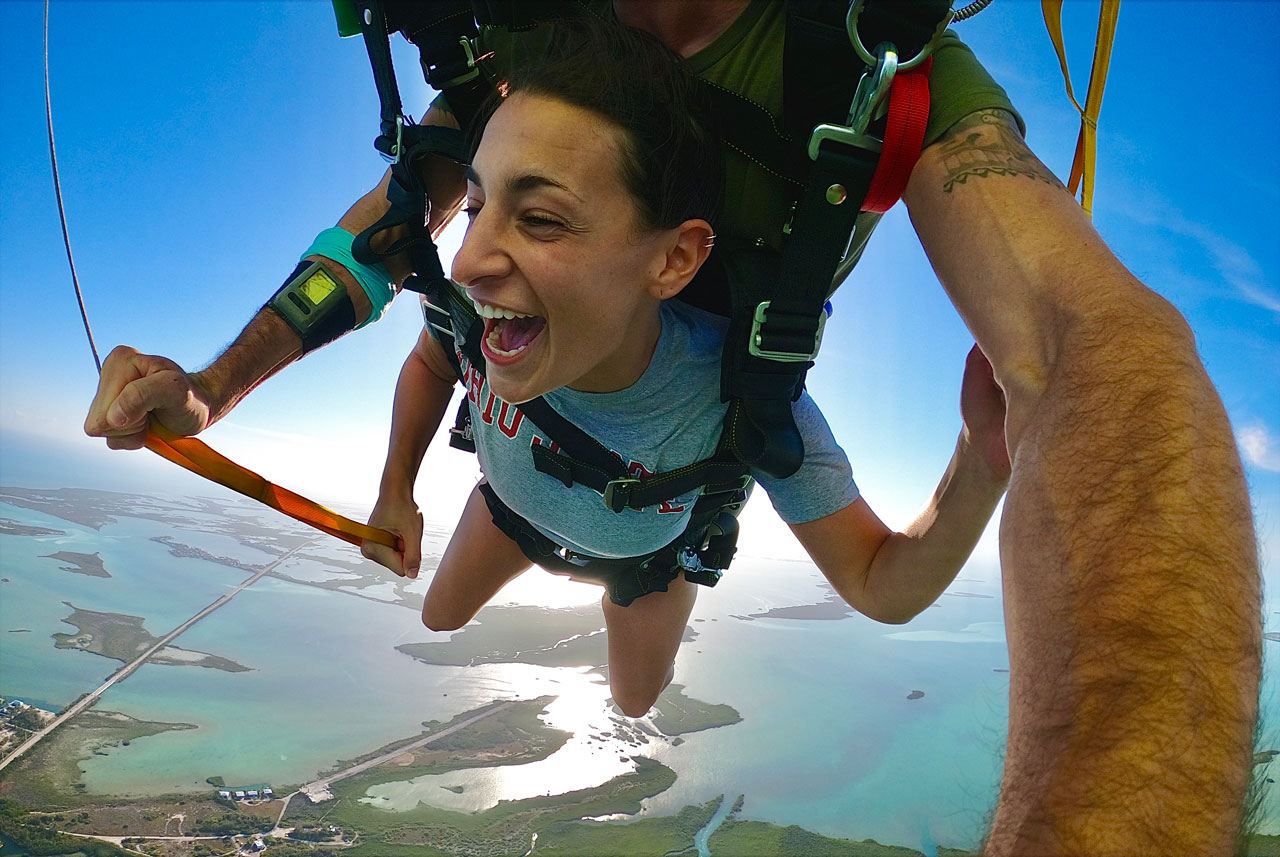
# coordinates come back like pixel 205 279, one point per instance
pixel 514 736
pixel 507 828
pixel 123 638
pixel 761 839
pixel 1263 846
pixel 666 835
pixel 677 714
pixel 545 636
pixel 48 777
pixel 81 563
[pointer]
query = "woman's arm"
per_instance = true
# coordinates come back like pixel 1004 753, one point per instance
pixel 892 576
pixel 422 396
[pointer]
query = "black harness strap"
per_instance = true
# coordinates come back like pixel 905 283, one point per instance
pixel 777 304
pixel 778 310
pixel 700 553
pixel 410 207
pixel 580 457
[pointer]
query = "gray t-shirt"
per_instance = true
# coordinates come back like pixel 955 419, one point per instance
pixel 669 418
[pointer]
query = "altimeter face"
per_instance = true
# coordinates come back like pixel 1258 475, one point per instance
pixel 318 286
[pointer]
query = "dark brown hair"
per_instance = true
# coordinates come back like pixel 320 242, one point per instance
pixel 671 162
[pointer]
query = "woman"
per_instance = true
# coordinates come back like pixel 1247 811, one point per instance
pixel 591 197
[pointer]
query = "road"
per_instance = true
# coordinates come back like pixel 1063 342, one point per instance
pixel 319 790
pixel 128 669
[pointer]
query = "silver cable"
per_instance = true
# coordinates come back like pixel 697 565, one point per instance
pixel 969 11
pixel 57 189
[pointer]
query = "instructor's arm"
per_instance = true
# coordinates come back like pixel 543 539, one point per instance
pixel 134 386
pixel 1130 569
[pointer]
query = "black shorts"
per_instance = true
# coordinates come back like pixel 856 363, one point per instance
pixel 624 579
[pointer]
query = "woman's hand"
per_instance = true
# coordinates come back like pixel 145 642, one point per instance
pixel 982 408
pixel 399 515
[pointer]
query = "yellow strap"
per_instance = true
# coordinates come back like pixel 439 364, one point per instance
pixel 197 457
pixel 1082 166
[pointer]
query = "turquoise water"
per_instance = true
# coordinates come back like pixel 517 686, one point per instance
pixel 829 739
pixel 9 848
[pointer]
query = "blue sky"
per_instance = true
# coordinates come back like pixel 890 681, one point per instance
pixel 202 146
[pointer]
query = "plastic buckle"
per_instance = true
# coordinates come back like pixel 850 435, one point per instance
pixel 618 492
pixel 753 341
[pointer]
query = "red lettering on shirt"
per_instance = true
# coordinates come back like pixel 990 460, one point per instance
pixel 513 428
pixel 537 441
pixel 510 418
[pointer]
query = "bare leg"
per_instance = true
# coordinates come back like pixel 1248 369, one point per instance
pixel 479 560
pixel 643 641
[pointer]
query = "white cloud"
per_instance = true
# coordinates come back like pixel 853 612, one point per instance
pixel 1232 262
pixel 1258 447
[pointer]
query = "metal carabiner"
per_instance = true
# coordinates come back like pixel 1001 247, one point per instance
pixel 851 26
pixel 873 86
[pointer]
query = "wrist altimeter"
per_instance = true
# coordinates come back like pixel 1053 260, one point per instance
pixel 315 303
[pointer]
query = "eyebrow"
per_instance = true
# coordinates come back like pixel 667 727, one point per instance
pixel 524 183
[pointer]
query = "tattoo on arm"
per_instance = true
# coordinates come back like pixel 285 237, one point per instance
pixel 987 143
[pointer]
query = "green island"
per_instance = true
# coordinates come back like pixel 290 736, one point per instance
pixel 81 563
pixel 677 714
pixel 542 636
pixel 43 803
pixel 355 577
pixel 76 505
pixel 184 551
pixel 513 735
pixel 545 636
pixel 122 638
pixel 831 608
pixel 43 799
pixel 10 527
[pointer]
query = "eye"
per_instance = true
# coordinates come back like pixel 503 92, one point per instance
pixel 471 209
pixel 541 222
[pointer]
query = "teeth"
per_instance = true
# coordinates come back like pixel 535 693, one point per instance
pixel 487 311
pixel 493 339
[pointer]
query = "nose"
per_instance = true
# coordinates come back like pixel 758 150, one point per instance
pixel 481 255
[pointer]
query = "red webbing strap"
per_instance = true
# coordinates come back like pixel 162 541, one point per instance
pixel 903 137
pixel 197 457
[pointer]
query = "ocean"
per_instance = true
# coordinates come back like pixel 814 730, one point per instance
pixel 829 739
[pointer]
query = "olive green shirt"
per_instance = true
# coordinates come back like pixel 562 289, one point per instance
pixel 747 59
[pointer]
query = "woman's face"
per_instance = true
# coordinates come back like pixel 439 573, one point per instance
pixel 554 240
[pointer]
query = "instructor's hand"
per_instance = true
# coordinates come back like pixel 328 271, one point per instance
pixel 133 388
pixel 398 515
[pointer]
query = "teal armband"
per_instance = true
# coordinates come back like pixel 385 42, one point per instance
pixel 376 281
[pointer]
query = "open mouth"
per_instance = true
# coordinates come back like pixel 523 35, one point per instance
pixel 505 338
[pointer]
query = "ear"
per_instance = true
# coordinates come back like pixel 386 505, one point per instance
pixel 687 247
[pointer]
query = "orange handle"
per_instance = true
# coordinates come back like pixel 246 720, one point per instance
pixel 200 459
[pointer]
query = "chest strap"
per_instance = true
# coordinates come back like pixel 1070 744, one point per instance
pixel 575 456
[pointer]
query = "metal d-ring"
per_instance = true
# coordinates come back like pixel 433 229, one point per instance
pixel 851 26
